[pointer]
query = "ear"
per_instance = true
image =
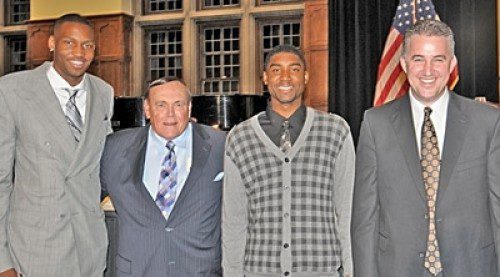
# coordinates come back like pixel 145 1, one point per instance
pixel 402 62
pixel 306 77
pixel 264 78
pixel 454 62
pixel 147 107
pixel 52 43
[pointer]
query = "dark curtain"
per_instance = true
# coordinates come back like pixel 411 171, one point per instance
pixel 358 30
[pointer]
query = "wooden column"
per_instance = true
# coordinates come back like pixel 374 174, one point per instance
pixel 315 42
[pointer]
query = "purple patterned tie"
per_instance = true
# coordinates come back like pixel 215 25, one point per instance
pixel 165 197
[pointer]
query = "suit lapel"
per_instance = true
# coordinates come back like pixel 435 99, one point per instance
pixel 48 105
pixel 95 115
pixel 402 121
pixel 137 154
pixel 201 152
pixel 90 128
pixel 456 129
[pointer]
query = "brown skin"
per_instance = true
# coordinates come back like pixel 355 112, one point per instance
pixel 168 108
pixel 428 64
pixel 8 273
pixel 286 79
pixel 73 46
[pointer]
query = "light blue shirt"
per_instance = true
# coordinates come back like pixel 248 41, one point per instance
pixel 155 153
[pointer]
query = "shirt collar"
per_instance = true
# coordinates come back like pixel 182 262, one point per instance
pixel 437 107
pixel 58 82
pixel 297 119
pixel 179 141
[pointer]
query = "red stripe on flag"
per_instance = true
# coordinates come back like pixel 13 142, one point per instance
pixel 391 52
pixel 452 82
pixel 403 90
pixel 388 85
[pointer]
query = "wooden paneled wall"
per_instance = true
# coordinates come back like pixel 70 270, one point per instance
pixel 112 60
pixel 316 51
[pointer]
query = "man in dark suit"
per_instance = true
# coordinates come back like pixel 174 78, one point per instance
pixel 427 189
pixel 53 123
pixel 165 182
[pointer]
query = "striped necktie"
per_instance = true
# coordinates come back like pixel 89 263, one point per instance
pixel 165 198
pixel 73 116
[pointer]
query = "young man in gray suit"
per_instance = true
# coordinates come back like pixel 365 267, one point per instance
pixel 165 181
pixel 53 122
pixel 427 189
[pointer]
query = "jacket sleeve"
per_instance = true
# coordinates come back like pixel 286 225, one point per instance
pixel 234 220
pixel 494 189
pixel 364 225
pixel 7 153
pixel 343 187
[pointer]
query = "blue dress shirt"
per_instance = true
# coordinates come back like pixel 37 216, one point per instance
pixel 155 153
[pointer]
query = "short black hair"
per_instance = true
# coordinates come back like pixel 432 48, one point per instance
pixel 284 49
pixel 164 80
pixel 72 17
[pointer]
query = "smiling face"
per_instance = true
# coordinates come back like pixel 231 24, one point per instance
pixel 168 108
pixel 428 63
pixel 73 46
pixel 286 78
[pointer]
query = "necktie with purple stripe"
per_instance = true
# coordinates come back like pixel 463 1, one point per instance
pixel 165 197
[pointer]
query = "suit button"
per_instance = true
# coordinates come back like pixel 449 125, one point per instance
pixel 287 160
pixel 169 229
pixel 286 215
pixel 286 245
pixel 286 273
pixel 421 254
pixel 62 215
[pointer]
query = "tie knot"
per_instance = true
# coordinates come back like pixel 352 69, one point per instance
pixel 286 124
pixel 170 145
pixel 427 112
pixel 72 92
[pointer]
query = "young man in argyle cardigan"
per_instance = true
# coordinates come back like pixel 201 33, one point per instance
pixel 289 175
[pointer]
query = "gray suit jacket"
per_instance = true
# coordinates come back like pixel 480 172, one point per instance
pixel 389 226
pixel 51 222
pixel 188 243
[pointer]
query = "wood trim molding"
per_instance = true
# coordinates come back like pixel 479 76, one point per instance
pixel 315 41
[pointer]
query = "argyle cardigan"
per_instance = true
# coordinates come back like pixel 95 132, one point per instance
pixel 308 172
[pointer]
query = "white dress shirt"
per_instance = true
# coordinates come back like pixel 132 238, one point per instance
pixel 155 153
pixel 59 85
pixel 438 117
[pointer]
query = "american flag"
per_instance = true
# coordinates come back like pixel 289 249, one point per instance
pixel 391 79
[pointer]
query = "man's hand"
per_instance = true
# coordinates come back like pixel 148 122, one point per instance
pixel 8 273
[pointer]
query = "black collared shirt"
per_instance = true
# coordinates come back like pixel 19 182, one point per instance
pixel 271 123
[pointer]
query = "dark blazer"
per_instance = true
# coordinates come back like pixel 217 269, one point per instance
pixel 188 243
pixel 389 226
